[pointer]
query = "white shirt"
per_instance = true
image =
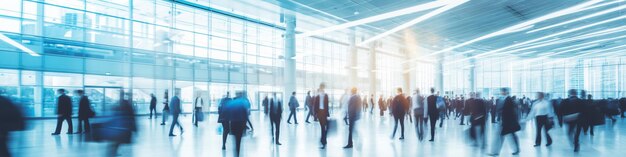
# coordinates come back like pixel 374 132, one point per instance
pixel 345 100
pixel 321 100
pixel 541 108
pixel 415 102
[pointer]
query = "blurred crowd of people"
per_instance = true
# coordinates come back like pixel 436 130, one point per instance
pixel 579 113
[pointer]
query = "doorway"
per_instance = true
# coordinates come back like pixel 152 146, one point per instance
pixel 103 99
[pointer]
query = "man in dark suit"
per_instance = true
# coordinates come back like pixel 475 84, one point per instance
pixel 321 108
pixel 64 112
pixel 176 110
pixel 478 118
pixel 265 103
pixel 153 106
pixel 573 115
pixel 309 105
pixel 84 112
pixel 293 106
pixel 432 112
pixel 237 115
pixel 509 123
pixel 222 118
pixel 399 107
pixel 354 113
pixel 276 112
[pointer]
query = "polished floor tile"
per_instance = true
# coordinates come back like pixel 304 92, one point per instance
pixel 372 139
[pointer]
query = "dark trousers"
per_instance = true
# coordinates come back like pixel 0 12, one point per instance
pixel 493 117
pixel 84 121
pixel 275 129
pixel 153 109
pixel 292 114
pixel 60 120
pixel 225 132
pixel 573 130
pixel 398 119
pixel 477 131
pixel 324 128
pixel 433 124
pixel 350 130
pixel 174 123
pixel 542 122
pixel 4 144
pixel 462 120
pixel 500 141
pixel 419 125
pixel 309 115
pixel 164 115
pixel 237 127
pixel 250 123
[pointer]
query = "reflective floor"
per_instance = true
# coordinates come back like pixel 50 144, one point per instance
pixel 302 140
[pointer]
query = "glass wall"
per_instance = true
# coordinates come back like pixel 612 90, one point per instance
pixel 602 77
pixel 153 46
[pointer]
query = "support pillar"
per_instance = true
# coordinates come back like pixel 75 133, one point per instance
pixel 289 70
pixel 352 59
pixel 372 68
pixel 472 75
pixel 439 75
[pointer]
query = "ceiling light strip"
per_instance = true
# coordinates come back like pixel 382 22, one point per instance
pixel 544 37
pixel 580 18
pixel 414 21
pixel 384 16
pixel 559 13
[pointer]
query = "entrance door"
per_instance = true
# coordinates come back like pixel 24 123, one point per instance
pixel 103 99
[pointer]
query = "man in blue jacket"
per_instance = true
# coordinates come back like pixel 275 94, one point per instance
pixel 175 110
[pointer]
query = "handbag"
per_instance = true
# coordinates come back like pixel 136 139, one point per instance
pixel 199 116
pixel 91 113
pixel 219 130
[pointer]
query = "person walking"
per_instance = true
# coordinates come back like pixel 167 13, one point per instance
pixel 222 118
pixel 123 123
pixel 166 107
pixel 293 106
pixel 543 113
pixel 417 105
pixel 276 112
pixel 64 112
pixel 354 114
pixel 176 111
pixel 152 106
pixel 508 125
pixel 308 103
pixel 11 119
pixel 321 108
pixel 478 119
pixel 198 115
pixel 84 112
pixel 399 108
pixel 237 115
pixel 265 103
pixel 431 111
pixel 574 116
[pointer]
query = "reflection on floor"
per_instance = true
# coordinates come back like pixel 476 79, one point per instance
pixel 302 140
